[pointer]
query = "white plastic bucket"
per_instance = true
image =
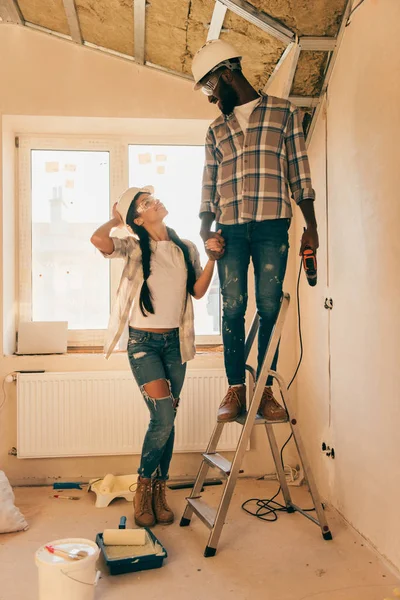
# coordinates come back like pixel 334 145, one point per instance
pixel 67 579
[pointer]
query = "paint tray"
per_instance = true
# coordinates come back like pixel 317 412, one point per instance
pixel 128 559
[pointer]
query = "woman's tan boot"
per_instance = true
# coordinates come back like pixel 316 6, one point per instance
pixel 162 511
pixel 144 515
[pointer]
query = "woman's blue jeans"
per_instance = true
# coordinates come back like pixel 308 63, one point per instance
pixel 154 356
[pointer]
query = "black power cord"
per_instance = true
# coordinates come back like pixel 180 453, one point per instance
pixel 267 509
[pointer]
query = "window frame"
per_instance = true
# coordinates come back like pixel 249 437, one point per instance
pixel 118 149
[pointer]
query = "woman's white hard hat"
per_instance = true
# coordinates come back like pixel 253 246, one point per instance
pixel 126 199
pixel 209 56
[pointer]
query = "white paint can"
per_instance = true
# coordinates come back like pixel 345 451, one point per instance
pixel 63 578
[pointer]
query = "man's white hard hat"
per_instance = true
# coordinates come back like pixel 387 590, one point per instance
pixel 209 56
pixel 126 199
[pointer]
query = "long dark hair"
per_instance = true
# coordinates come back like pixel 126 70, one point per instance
pixel 145 299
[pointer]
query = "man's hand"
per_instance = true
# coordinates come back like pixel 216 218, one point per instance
pixel 214 244
pixel 310 239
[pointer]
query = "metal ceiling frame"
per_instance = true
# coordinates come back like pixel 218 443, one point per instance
pixel 248 12
pixel 10 12
pixel 217 20
pixel 73 21
pixel 139 24
pixel 324 44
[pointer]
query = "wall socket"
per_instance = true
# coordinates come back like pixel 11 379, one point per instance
pixel 328 450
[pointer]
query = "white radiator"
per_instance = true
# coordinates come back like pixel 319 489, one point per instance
pixel 103 413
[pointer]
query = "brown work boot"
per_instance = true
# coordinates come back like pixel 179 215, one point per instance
pixel 144 515
pixel 233 405
pixel 162 511
pixel 270 409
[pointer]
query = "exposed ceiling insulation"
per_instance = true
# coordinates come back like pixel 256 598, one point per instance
pixel 305 17
pixel 46 13
pixel 309 74
pixel 174 30
pixel 107 23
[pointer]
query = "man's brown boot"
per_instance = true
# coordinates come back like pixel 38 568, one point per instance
pixel 270 409
pixel 233 405
pixel 144 515
pixel 162 511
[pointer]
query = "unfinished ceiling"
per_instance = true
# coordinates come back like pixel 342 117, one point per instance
pixel 167 33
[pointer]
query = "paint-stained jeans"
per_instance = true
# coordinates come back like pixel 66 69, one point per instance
pixel 267 243
pixel 155 356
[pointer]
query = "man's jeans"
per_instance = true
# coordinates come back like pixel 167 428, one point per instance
pixel 267 243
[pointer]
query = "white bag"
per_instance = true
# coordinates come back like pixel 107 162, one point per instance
pixel 11 518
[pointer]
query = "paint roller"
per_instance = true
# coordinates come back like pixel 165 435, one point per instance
pixel 124 537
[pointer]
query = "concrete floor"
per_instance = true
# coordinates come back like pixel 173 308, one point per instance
pixel 285 560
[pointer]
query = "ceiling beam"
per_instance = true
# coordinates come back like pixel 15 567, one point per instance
pixel 73 21
pixel 289 81
pixel 217 20
pixel 10 12
pixel 329 69
pixel 278 66
pixel 324 44
pixel 247 11
pixel 304 101
pixel 139 21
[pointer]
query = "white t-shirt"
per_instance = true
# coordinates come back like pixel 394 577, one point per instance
pixel 167 284
pixel 243 112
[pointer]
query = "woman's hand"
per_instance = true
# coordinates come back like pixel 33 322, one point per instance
pixel 116 216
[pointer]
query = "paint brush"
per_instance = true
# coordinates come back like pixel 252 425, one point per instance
pixel 64 554
pixel 65 497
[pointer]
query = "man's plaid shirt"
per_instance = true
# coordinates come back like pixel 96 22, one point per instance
pixel 252 176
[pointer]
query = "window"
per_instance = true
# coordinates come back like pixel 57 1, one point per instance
pixel 176 174
pixel 66 190
pixel 70 199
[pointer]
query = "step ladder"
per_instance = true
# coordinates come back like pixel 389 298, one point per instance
pixel 214 518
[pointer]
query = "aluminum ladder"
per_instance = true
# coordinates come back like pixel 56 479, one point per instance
pixel 214 518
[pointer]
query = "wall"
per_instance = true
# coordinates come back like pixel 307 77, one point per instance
pixel 52 86
pixel 358 410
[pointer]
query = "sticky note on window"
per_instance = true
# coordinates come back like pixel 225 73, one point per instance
pixel 160 170
pixel 70 183
pixel 69 167
pixel 161 158
pixel 144 159
pixel 52 167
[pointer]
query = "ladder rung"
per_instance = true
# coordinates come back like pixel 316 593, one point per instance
pixel 216 460
pixel 203 511
pixel 259 420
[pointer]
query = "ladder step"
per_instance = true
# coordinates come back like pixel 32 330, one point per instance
pixel 203 511
pixel 259 420
pixel 216 460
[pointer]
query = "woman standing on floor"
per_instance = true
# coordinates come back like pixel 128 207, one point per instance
pixel 160 275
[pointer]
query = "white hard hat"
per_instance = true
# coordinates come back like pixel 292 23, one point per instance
pixel 209 56
pixel 126 199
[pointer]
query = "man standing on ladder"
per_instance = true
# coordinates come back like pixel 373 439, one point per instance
pixel 255 154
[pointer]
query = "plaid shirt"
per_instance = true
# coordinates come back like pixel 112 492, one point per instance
pixel 131 280
pixel 247 176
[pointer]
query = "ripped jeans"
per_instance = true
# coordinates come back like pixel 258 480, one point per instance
pixel 155 356
pixel 267 243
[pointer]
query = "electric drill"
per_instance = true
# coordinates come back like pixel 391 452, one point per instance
pixel 310 265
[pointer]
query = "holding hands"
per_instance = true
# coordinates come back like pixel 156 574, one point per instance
pixel 214 245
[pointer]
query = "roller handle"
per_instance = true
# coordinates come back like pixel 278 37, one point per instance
pixel 122 523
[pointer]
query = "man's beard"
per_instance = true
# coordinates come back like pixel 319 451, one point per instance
pixel 228 97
